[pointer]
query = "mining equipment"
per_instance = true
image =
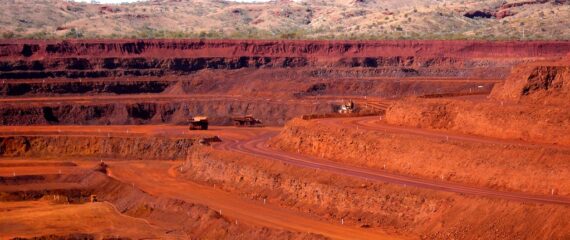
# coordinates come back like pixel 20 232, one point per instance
pixel 102 167
pixel 208 140
pixel 93 198
pixel 346 107
pixel 199 123
pixel 247 121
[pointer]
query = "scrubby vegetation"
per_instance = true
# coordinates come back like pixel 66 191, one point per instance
pixel 336 19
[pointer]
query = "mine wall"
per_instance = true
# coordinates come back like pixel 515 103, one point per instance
pixel 83 88
pixel 328 197
pixel 96 147
pixel 391 89
pixel 288 48
pixel 195 220
pixel 166 112
pixel 312 87
pixel 200 63
pixel 508 167
pixel 118 58
pixel 244 69
pixel 531 105
pixel 545 83
pixel 400 66
pixel 365 204
pixel 535 124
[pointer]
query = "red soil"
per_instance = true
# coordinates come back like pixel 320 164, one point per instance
pixel 472 187
pixel 60 206
pixel 161 197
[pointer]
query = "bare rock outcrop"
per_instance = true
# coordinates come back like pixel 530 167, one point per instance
pixel 543 83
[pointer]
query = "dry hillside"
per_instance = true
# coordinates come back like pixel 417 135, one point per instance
pixel 312 19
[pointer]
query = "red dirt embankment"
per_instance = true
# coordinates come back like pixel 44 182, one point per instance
pixel 546 83
pixel 357 59
pixel 531 105
pixel 155 216
pixel 184 219
pixel 500 166
pixel 28 59
pixel 404 210
pixel 9 49
pixel 58 147
pixel 149 111
pixel 532 123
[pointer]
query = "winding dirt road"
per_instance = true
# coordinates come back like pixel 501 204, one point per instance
pixel 258 147
pixel 160 179
pixel 376 124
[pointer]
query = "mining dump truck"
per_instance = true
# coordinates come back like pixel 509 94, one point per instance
pixel 199 123
pixel 247 121
pixel 346 107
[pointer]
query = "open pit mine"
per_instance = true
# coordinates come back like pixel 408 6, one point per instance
pixel 264 139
